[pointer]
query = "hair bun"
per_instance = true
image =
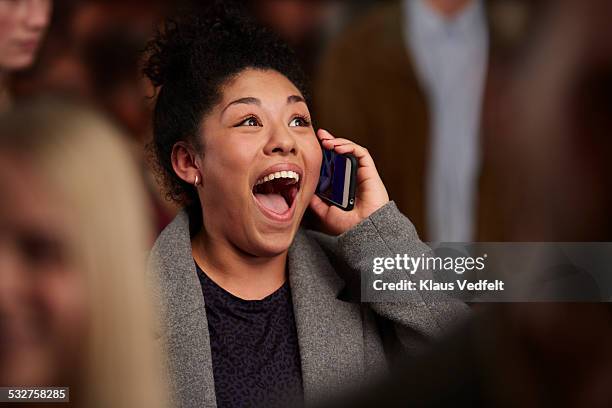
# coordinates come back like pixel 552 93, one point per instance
pixel 168 54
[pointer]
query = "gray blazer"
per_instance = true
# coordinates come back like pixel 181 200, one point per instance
pixel 339 340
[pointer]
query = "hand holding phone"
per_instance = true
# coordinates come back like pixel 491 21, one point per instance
pixel 369 191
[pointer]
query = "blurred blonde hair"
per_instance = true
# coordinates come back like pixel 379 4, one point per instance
pixel 86 160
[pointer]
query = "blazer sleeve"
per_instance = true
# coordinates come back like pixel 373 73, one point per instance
pixel 425 315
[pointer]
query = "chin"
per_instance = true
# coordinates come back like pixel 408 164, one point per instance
pixel 274 247
pixel 20 62
pixel 269 240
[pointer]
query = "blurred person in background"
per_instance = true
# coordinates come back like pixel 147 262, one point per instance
pixel 408 81
pixel 551 154
pixel 109 40
pixel 547 140
pixel 547 147
pixel 93 54
pixel 23 24
pixel 74 306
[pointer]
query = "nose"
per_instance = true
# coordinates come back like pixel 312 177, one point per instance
pixel 36 14
pixel 281 141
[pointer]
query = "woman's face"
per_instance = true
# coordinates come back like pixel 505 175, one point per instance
pixel 42 291
pixel 22 26
pixel 260 164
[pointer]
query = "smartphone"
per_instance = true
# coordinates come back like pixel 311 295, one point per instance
pixel 338 179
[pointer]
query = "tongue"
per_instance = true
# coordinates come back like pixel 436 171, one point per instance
pixel 273 202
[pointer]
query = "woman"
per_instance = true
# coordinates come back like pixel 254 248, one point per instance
pixel 250 302
pixel 73 233
pixel 22 26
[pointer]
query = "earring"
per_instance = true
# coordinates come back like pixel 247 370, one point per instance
pixel 197 181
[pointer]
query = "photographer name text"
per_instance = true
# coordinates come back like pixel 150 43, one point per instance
pixel 430 285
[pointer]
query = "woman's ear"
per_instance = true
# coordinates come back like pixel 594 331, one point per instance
pixel 184 163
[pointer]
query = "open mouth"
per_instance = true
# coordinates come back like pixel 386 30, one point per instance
pixel 276 191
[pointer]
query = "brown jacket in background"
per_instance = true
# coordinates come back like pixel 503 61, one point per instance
pixel 367 91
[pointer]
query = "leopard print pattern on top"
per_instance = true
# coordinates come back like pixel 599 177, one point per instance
pixel 254 345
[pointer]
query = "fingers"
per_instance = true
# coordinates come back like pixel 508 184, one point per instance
pixel 330 141
pixel 327 138
pixel 360 152
pixel 332 144
pixel 323 134
pixel 345 146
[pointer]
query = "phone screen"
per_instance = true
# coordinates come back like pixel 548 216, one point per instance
pixel 335 179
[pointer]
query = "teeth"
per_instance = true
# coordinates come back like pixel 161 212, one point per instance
pixel 279 174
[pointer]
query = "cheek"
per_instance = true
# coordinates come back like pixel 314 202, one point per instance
pixel 64 303
pixel 7 28
pixel 227 166
pixel 312 162
pixel 10 18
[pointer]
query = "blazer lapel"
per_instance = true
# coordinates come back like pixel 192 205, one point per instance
pixel 330 331
pixel 184 329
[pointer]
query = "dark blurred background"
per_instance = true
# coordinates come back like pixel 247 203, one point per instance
pixel 488 120
pixel 444 94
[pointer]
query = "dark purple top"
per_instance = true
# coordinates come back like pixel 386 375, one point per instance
pixel 254 345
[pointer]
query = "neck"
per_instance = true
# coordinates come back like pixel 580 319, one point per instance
pixel 245 276
pixel 448 8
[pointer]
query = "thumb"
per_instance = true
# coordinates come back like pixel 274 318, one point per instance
pixel 319 207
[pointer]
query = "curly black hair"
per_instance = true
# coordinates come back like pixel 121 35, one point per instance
pixel 188 61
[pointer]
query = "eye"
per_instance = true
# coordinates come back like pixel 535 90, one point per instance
pixel 250 121
pixel 299 121
pixel 40 249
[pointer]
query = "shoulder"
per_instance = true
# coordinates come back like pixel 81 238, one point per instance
pixel 171 271
pixel 174 241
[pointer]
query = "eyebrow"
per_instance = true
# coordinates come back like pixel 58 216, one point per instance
pixel 249 100
pixel 295 99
